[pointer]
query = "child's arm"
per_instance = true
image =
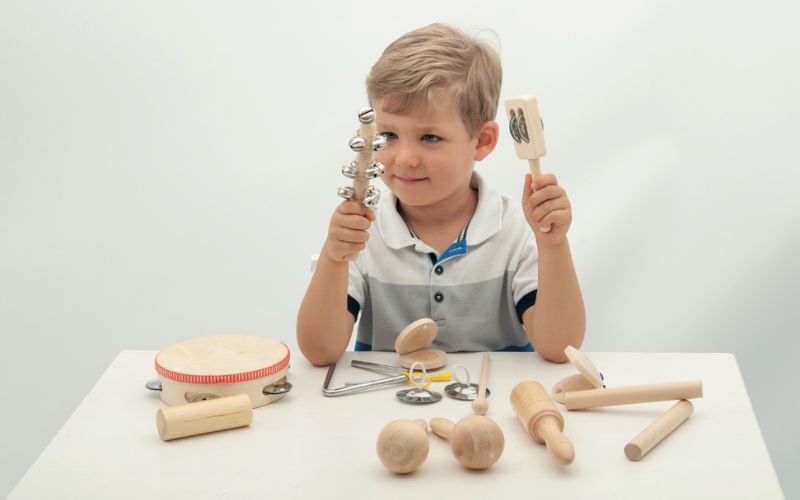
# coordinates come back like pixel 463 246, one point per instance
pixel 324 324
pixel 558 319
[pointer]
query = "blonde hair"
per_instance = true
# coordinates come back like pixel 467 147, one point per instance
pixel 413 68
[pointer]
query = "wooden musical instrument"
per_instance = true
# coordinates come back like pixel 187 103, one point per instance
pixel 476 441
pixel 662 427
pixel 403 445
pixel 527 131
pixel 412 345
pixel 671 391
pixel 364 168
pixel 202 417
pixel 541 419
pixel 480 406
pixel 217 366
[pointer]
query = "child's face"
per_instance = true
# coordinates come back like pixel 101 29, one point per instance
pixel 430 154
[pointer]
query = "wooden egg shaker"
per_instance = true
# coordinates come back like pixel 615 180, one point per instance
pixel 541 419
pixel 476 441
pixel 223 365
pixel 403 445
pixel 412 345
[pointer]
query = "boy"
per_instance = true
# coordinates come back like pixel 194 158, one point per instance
pixel 442 244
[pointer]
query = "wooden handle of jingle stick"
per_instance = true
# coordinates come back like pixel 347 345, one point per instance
pixel 203 417
pixel 480 406
pixel 541 419
pixel 614 396
pixel 364 157
pixel 662 427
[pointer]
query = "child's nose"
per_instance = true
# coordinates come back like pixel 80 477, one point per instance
pixel 405 156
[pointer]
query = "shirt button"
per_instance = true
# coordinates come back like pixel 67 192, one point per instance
pixel 438 297
pixel 439 270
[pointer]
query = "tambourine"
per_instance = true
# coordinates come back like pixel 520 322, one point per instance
pixel 219 366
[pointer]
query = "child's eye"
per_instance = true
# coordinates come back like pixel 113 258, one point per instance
pixel 389 135
pixel 430 138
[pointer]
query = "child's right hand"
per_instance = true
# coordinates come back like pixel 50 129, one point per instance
pixel 348 231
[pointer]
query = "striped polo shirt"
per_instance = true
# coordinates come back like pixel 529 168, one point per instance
pixel 476 290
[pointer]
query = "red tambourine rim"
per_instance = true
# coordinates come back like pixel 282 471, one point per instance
pixel 190 378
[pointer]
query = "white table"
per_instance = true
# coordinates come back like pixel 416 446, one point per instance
pixel 310 446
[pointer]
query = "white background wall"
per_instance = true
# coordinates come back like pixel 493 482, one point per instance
pixel 167 169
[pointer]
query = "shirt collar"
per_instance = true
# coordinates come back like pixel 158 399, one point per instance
pixel 486 221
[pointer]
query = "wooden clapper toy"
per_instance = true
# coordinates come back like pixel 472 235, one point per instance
pixel 587 390
pixel 213 383
pixel 527 129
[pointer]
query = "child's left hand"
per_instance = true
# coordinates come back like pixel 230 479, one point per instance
pixel 545 204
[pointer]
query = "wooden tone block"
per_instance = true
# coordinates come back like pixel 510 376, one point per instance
pixel 203 417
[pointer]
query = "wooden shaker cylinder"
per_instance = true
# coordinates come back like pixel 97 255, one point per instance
pixel 204 416
pixel 540 417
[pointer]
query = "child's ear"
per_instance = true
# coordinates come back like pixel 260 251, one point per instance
pixel 487 139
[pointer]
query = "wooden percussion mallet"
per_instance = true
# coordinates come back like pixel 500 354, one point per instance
pixel 527 130
pixel 480 406
pixel 541 419
pixel 476 441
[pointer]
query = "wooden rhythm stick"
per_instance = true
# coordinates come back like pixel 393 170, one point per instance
pixel 662 427
pixel 527 130
pixel 403 445
pixel 476 441
pixel 579 400
pixel 364 168
pixel 480 406
pixel 541 419
pixel 202 417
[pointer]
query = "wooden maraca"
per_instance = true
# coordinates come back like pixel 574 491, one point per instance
pixel 403 445
pixel 476 441
pixel 541 419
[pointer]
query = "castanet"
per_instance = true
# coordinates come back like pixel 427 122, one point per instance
pixel 541 419
pixel 202 417
pixel 403 445
pixel 662 427
pixel 671 391
pixel 476 441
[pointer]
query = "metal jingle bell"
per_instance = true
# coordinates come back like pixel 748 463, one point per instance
pixel 358 144
pixel 372 196
pixel 374 170
pixel 379 143
pixel 346 192
pixel 350 170
pixel 366 115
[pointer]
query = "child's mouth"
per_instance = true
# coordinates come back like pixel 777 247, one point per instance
pixel 410 180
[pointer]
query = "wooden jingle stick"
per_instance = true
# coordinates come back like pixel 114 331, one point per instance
pixel 527 131
pixel 403 445
pixel 541 419
pixel 476 441
pixel 203 417
pixel 480 406
pixel 614 396
pixel 662 427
